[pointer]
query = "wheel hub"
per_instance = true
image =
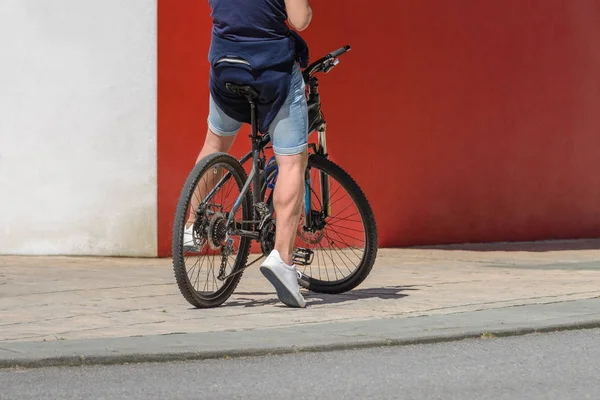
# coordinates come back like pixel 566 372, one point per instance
pixel 315 233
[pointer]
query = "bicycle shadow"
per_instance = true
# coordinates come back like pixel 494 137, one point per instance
pixel 312 299
pixel 531 247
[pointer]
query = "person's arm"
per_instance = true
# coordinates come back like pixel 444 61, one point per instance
pixel 299 13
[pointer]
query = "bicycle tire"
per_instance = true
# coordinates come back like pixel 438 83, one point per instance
pixel 186 287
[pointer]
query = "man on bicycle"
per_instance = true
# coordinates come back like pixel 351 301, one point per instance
pixel 253 45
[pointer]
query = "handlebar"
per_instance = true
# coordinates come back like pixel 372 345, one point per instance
pixel 339 52
pixel 324 63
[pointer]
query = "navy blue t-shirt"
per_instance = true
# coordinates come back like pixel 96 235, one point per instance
pixel 255 31
pixel 249 20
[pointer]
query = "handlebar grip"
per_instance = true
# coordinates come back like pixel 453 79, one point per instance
pixel 339 52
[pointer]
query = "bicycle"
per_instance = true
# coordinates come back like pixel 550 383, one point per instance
pixel 221 235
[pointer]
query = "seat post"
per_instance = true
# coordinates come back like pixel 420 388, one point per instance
pixel 253 119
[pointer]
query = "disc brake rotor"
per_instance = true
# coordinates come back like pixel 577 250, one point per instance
pixel 313 236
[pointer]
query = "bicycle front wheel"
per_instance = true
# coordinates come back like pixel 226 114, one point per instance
pixel 339 245
pixel 207 262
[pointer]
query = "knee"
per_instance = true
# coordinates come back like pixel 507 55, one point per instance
pixel 215 143
pixel 295 164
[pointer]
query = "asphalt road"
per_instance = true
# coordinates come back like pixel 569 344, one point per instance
pixel 561 366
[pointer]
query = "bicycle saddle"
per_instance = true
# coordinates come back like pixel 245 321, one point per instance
pixel 242 90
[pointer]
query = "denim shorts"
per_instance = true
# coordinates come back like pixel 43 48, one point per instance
pixel 289 129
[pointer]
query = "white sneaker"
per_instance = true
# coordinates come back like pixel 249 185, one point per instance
pixel 284 278
pixel 188 240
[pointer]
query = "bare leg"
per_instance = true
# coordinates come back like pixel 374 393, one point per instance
pixel 212 144
pixel 288 202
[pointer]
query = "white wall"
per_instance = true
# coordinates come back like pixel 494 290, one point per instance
pixel 78 127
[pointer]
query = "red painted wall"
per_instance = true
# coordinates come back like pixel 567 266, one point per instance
pixel 462 121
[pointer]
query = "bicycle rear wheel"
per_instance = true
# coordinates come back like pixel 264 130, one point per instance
pixel 207 262
pixel 341 244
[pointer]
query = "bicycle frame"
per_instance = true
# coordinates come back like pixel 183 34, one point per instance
pixel 259 143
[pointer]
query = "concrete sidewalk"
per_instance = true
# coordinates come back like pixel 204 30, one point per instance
pixel 90 302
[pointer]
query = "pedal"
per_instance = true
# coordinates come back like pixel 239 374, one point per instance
pixel 303 256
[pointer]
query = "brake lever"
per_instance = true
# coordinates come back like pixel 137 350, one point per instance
pixel 331 64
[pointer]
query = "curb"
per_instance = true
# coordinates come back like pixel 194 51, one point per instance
pixel 76 360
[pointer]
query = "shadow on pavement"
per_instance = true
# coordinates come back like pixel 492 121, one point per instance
pixel 543 246
pixel 246 299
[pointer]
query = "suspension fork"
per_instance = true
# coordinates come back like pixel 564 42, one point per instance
pixel 321 149
pixel 307 202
